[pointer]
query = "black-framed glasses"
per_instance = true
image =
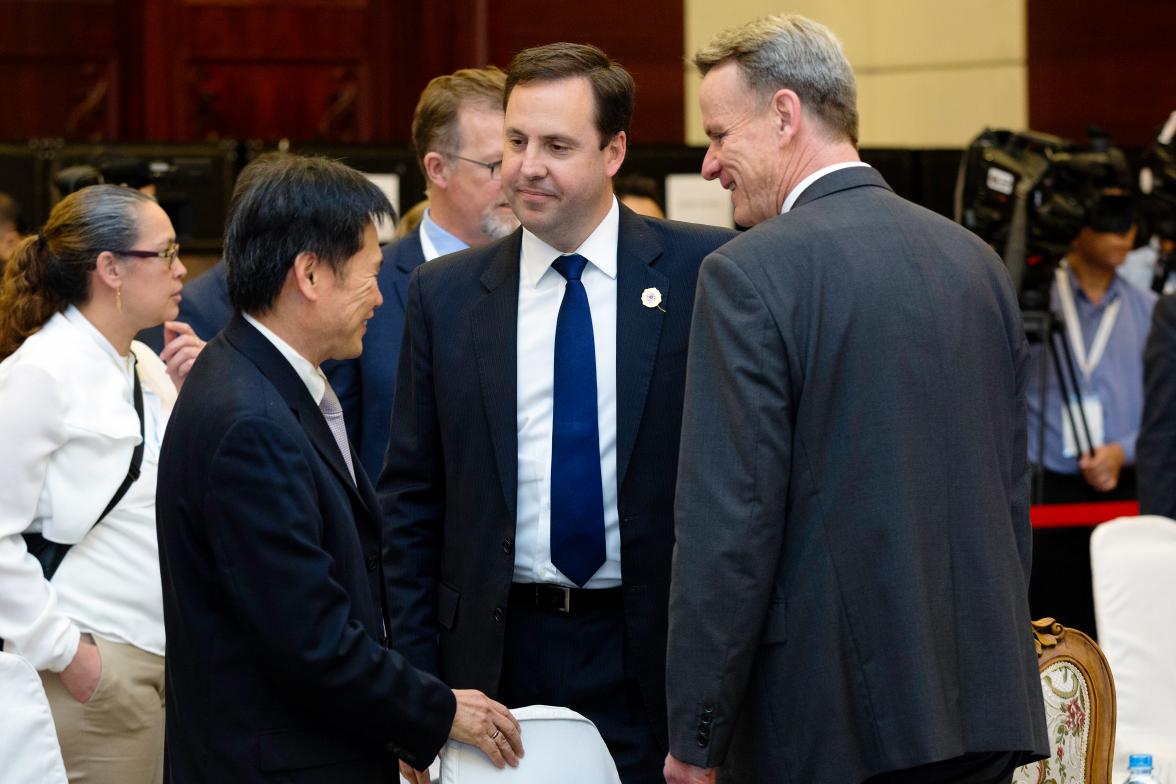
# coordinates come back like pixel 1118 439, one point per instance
pixel 169 255
pixel 495 167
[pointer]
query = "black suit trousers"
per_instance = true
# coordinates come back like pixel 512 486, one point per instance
pixel 981 768
pixel 577 661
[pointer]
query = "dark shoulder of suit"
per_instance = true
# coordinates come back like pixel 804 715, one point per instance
pixel 264 537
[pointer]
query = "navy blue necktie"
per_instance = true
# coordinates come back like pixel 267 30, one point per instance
pixel 577 498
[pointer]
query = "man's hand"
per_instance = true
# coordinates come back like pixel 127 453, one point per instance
pixel 1101 471
pixel 678 772
pixel 80 678
pixel 181 346
pixel 412 775
pixel 482 722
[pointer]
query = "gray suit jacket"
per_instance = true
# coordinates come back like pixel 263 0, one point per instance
pixel 849 589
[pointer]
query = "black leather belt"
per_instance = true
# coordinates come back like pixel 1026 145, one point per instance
pixel 557 598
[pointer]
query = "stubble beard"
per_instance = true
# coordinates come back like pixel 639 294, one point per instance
pixel 495 225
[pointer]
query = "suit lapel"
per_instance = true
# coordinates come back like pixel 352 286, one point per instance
pixel 409 257
pixel 638 327
pixel 495 330
pixel 286 380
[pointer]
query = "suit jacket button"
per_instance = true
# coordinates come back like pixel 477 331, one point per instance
pixel 507 546
pixel 372 563
pixel 499 614
pixel 703 740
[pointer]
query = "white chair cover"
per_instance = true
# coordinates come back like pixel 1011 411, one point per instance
pixel 29 753
pixel 1133 561
pixel 561 746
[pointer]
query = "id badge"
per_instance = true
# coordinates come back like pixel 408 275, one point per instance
pixel 1094 420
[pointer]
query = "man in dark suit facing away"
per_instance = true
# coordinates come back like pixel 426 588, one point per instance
pixel 529 480
pixel 457 135
pixel 280 666
pixel 849 599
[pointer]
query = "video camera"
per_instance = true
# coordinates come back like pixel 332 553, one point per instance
pixel 1028 195
pixel 1157 200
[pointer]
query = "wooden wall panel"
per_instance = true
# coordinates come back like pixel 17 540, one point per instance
pixel 60 62
pixel 1110 64
pixel 302 101
pixel 75 97
pixel 263 70
pixel 645 37
pixel 308 70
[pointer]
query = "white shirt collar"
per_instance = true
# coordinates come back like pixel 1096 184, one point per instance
pixel 600 248
pixel 316 382
pixel 79 320
pixel 794 194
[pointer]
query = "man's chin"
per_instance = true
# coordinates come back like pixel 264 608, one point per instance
pixel 496 226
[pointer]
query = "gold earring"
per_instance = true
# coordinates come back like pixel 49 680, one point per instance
pixel 118 299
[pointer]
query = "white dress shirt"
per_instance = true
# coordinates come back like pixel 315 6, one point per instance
pixel 314 378
pixel 68 421
pixel 794 194
pixel 541 291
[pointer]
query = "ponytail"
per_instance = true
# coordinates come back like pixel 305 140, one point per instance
pixel 51 270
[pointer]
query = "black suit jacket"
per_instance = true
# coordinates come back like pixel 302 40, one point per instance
pixel 449 483
pixel 277 665
pixel 1155 450
pixel 851 576
pixel 365 385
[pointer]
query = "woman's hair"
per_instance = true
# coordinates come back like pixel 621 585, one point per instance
pixel 51 270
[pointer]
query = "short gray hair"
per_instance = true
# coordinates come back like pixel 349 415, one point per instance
pixel 792 52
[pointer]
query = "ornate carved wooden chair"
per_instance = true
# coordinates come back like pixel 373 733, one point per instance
pixel 1079 697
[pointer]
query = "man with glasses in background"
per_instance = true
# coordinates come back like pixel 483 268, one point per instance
pixel 457 134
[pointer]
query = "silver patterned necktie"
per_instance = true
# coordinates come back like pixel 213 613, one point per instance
pixel 333 413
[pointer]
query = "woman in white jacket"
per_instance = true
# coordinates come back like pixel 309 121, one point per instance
pixel 72 299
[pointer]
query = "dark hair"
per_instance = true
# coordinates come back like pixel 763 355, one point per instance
pixel 51 270
pixel 612 86
pixel 638 185
pixel 434 123
pixel 284 205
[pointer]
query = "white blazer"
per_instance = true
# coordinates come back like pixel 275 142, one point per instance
pixel 28 740
pixel 66 436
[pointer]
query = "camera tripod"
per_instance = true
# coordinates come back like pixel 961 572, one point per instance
pixel 1043 326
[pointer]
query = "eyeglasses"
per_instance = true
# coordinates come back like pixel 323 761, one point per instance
pixel 170 255
pixel 495 167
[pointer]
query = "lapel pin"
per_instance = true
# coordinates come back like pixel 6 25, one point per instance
pixel 651 298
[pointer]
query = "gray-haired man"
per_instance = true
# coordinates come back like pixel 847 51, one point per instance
pixel 849 590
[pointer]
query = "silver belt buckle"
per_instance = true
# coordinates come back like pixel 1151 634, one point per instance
pixel 566 593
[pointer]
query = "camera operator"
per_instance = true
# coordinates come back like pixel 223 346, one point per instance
pixel 1104 322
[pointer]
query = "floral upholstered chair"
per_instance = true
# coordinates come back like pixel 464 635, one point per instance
pixel 1079 697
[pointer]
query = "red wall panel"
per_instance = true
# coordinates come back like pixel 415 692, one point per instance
pixel 1108 64
pixel 307 70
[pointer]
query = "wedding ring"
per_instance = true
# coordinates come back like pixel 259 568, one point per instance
pixel 497 732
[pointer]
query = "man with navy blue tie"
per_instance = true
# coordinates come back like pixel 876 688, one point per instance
pixel 529 481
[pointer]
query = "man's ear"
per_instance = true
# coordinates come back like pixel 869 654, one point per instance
pixel 307 274
pixel 615 151
pixel 786 113
pixel 436 169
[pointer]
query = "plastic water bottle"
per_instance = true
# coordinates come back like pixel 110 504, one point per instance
pixel 1139 769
